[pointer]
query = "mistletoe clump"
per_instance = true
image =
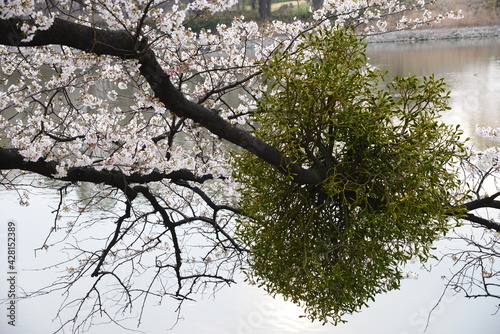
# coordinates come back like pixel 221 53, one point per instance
pixel 387 176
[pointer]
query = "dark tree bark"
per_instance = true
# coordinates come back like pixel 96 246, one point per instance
pixel 12 159
pixel 125 46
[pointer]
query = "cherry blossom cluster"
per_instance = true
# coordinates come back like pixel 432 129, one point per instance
pixel 80 110
pixel 489 132
pixel 374 14
pixel 487 160
pixel 40 20
pixel 16 8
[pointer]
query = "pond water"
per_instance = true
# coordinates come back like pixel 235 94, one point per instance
pixel 470 67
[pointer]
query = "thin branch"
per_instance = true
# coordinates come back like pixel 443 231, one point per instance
pixel 113 241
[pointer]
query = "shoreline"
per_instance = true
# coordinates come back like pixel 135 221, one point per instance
pixel 437 33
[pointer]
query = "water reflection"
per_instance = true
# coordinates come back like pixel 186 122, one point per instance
pixel 471 67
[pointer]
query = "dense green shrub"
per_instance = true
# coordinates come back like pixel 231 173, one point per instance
pixel 389 179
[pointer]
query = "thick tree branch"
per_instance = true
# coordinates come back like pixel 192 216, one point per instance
pixel 13 159
pixel 485 202
pixel 482 221
pixel 123 45
pixel 89 39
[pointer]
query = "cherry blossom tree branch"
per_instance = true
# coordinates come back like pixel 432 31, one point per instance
pixel 490 224
pixel 484 202
pixel 121 44
pixel 113 241
pixel 477 271
pixel 12 159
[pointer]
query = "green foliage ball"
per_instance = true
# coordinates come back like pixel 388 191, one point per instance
pixel 388 185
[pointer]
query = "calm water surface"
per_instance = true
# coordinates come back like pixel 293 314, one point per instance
pixel 470 67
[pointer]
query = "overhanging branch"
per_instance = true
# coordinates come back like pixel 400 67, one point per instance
pixel 485 202
pixel 12 159
pixel 123 45
pixel 482 221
